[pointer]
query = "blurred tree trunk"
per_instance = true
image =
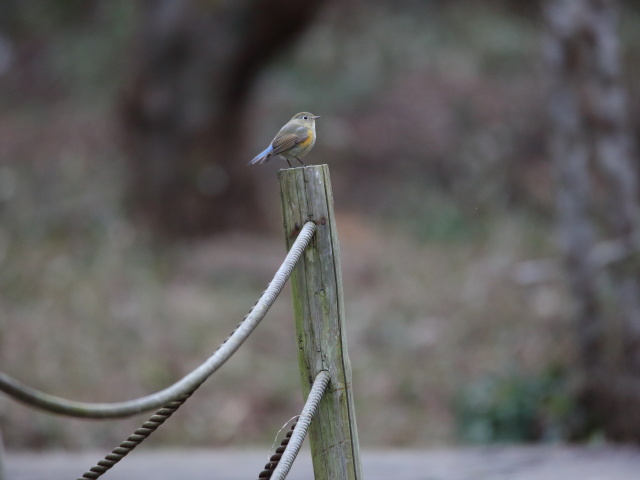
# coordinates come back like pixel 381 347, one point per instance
pixel 184 114
pixel 598 208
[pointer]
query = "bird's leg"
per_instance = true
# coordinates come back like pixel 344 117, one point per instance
pixel 290 166
pixel 303 164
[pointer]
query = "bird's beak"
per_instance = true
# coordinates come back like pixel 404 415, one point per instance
pixel 316 117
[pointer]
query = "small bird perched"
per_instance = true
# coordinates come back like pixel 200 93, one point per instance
pixel 294 140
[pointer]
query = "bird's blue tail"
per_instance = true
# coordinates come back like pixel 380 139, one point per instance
pixel 263 156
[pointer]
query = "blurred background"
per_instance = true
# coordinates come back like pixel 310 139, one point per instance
pixel 134 237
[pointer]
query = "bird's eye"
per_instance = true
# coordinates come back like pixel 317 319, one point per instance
pixel 305 118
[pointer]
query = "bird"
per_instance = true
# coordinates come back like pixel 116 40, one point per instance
pixel 294 140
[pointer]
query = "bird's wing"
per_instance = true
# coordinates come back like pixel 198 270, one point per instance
pixel 284 142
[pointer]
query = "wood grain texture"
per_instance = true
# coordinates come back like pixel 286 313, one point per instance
pixel 319 320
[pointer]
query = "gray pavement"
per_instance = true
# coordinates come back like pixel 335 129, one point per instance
pixel 482 463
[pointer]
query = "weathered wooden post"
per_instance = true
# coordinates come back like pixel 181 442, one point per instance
pixel 318 305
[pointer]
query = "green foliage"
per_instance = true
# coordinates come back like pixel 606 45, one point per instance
pixel 515 407
pixel 445 223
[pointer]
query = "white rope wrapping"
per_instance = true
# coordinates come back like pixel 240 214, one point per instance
pixel 189 382
pixel 297 437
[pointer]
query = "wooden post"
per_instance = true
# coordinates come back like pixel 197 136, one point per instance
pixel 318 306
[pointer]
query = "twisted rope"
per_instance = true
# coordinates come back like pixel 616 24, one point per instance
pixel 189 382
pixel 275 458
pixel 135 439
pixel 297 437
pixel 263 304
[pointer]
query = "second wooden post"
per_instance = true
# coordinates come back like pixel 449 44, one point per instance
pixel 318 306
